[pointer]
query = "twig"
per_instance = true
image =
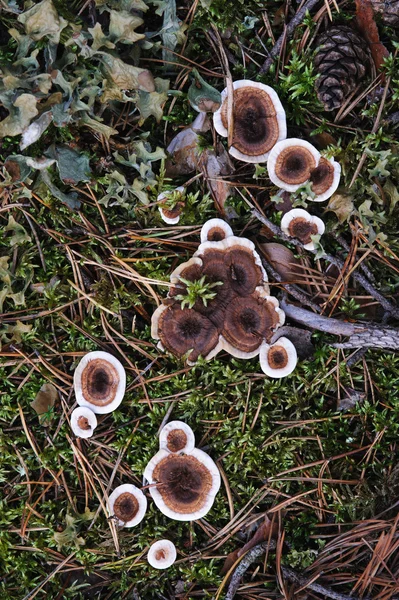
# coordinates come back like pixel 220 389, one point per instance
pixel 385 303
pixel 287 33
pixel 361 335
pixel 290 288
pixel 244 565
pixel 294 577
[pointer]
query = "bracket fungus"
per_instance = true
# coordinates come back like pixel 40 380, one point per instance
pixel 177 437
pixel 300 224
pixel 170 213
pixel 83 422
pixel 100 382
pixel 128 504
pixel 258 120
pixel 162 554
pixel 215 230
pixel 279 359
pixel 183 486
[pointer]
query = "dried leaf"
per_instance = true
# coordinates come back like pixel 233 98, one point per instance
pixel 392 191
pixel 282 260
pixel 12 333
pixel 35 130
pixel 44 402
pixel 21 113
pixel 105 130
pixel 354 397
pixel 70 199
pixel 73 166
pixel 342 205
pixel 267 530
pixel 122 27
pixel 368 27
pixel 216 165
pixel 151 103
pixel 183 149
pixel 127 77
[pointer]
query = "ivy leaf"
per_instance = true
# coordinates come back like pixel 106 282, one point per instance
pixel 73 166
pixel 151 103
pixel 19 234
pixel 70 199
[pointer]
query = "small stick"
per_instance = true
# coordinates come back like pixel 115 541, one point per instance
pixel 294 577
pixel 288 31
pixel 244 565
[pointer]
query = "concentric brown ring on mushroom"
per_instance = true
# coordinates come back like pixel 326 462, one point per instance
pixel 325 179
pixel 300 224
pixel 291 163
pixel 258 120
pixel 128 505
pixel 99 382
pixel 177 436
pixel 183 486
pixel 279 359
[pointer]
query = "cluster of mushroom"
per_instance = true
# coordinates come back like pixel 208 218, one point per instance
pixel 240 317
pixel 260 135
pixel 99 383
pixel 183 482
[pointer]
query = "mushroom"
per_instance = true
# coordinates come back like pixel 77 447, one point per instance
pixel 162 554
pixel 299 224
pixel 83 422
pixel 248 321
pixel 177 437
pixel 191 270
pixel 279 359
pixel 171 215
pixel 325 179
pixel 291 163
pixel 128 504
pixel 183 331
pixel 215 230
pixel 183 486
pixel 258 120
pixel 99 381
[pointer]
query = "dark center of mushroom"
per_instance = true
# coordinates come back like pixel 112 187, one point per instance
pixel 277 357
pixel 216 234
pixel 160 555
pixel 172 213
pixel 100 382
pixel 176 440
pixel 256 128
pixel 244 273
pixel 183 482
pixel 302 229
pixel 249 320
pixel 190 327
pixel 83 423
pixel 294 165
pixel 126 507
pixel 185 329
pixel 322 176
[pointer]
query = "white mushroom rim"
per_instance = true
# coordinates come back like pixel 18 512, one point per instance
pixel 83 422
pixel 278 359
pixel 291 163
pixel 215 230
pixel 100 382
pixel 183 486
pixel 259 120
pixel 162 554
pixel 127 504
pixel 300 224
pixel 172 216
pixel 177 437
pixel 325 179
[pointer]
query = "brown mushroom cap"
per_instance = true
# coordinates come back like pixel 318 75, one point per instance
pixel 322 177
pixel 184 483
pixel 244 274
pixel 192 272
pixel 181 330
pixel 100 382
pixel 278 357
pixel 83 423
pixel 126 507
pixel 294 165
pixel 302 229
pixel 256 128
pixel 248 321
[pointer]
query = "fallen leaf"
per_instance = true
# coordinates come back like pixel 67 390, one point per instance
pixel 342 205
pixel 367 25
pixel 70 199
pixel 282 259
pixel 151 102
pixel 35 130
pixel 21 114
pixel 43 20
pixel 125 76
pixel 353 397
pixel 202 96
pixel 73 166
pixel 183 149
pixel 44 402
pixel 122 27
pixel 215 165
pixel 267 530
pixel 19 234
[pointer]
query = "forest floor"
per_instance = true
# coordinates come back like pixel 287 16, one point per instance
pixel 308 462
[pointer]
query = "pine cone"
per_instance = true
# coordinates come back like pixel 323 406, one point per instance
pixel 389 10
pixel 342 60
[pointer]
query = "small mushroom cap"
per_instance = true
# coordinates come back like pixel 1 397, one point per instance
pixel 187 483
pixel 83 422
pixel 279 359
pixel 191 270
pixel 291 162
pixel 162 554
pixel 258 119
pixel 171 216
pixel 325 179
pixel 215 230
pixel 177 436
pixel 244 274
pixel 300 224
pixel 100 382
pixel 248 321
pixel 184 330
pixel 128 504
